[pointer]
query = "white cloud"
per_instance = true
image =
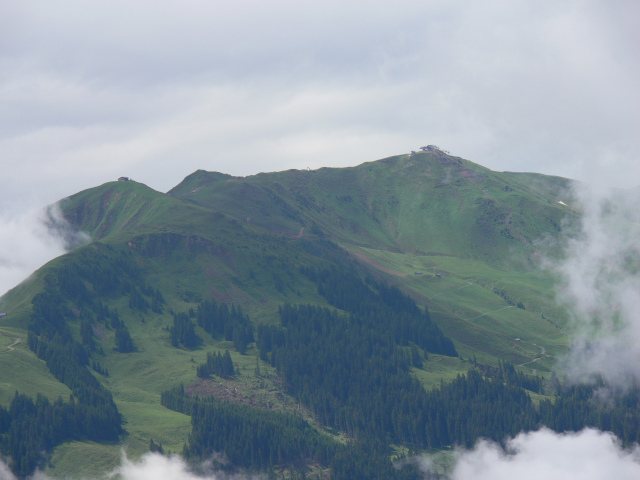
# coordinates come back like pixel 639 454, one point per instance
pixel 153 466
pixel 586 455
pixel 25 245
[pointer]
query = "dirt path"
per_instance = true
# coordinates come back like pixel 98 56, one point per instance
pixel 492 311
pixel 543 352
pixel 531 361
pixel 453 290
pixel 10 347
pixel 295 236
pixel 373 263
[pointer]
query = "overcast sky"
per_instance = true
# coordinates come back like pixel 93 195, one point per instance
pixel 153 90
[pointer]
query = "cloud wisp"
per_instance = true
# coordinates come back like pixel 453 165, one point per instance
pixel 30 239
pixel 600 285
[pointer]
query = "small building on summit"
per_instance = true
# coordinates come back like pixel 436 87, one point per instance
pixel 123 179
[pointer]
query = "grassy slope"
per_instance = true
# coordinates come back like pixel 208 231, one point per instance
pixel 234 239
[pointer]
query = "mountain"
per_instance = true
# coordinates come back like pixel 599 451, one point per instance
pixel 286 296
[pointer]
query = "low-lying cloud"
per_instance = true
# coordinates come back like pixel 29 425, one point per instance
pixel 600 285
pixel 586 455
pixel 31 238
pixel 151 466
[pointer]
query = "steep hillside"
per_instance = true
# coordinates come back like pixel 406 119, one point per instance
pixel 281 260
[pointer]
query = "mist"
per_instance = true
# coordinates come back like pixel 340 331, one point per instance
pixel 29 239
pixel 600 286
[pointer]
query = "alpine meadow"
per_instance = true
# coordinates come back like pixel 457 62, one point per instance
pixel 338 323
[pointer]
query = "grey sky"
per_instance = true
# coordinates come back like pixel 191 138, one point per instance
pixel 90 91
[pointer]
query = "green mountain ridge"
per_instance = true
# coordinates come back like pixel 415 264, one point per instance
pixel 456 237
pixel 425 203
